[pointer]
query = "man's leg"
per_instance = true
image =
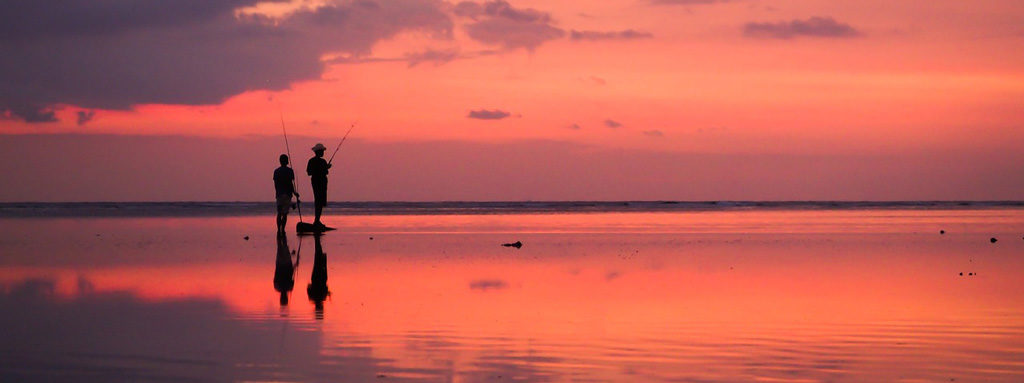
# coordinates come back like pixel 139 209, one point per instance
pixel 282 218
pixel 320 196
pixel 282 212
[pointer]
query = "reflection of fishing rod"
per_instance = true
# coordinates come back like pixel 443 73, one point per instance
pixel 342 141
pixel 288 148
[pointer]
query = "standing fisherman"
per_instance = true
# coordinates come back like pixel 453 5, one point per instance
pixel 317 168
pixel 284 185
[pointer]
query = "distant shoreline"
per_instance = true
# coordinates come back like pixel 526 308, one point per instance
pixel 184 209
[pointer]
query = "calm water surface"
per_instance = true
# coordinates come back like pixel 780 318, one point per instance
pixel 716 296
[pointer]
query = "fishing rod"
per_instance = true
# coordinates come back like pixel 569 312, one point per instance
pixel 288 148
pixel 342 141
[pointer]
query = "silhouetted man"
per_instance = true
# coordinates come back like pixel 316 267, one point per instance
pixel 284 272
pixel 284 185
pixel 317 290
pixel 317 168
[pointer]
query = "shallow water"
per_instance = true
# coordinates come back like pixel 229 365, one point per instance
pixel 711 296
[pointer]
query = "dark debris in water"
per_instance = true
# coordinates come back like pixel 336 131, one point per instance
pixel 516 244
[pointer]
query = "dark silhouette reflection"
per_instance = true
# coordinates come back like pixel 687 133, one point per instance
pixel 284 272
pixel 317 289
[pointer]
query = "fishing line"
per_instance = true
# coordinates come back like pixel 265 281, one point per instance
pixel 342 141
pixel 288 149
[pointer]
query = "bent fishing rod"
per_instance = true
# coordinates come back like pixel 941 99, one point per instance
pixel 342 141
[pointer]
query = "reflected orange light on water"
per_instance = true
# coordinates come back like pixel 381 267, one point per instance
pixel 661 293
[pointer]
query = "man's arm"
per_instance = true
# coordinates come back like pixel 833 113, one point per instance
pixel 296 192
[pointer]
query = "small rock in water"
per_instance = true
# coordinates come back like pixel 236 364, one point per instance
pixel 517 244
pixel 247 238
pixel 371 238
pixel 961 274
pixel 993 239
pixel 970 274
pixel 942 232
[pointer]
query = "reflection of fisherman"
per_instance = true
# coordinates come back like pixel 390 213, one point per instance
pixel 317 289
pixel 284 272
pixel 284 185
pixel 317 168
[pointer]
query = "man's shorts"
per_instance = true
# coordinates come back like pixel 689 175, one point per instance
pixel 284 202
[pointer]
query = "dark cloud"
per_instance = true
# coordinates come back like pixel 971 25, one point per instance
pixel 628 34
pixel 120 53
pixel 574 127
pixel 61 18
pixel 487 114
pixel 16 109
pixel 499 23
pixel 612 124
pixel 812 27
pixel 611 275
pixel 654 133
pixel 488 284
pixel 84 116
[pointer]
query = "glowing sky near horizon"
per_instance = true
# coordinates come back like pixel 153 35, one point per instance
pixel 729 77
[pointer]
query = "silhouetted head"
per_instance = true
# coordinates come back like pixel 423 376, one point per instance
pixel 319 149
pixel 283 159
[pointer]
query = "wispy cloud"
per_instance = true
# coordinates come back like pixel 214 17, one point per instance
pixel 813 27
pixel 688 2
pixel 654 133
pixel 437 57
pixel 627 34
pixel 433 56
pixel 612 124
pixel 488 114
pixel 488 284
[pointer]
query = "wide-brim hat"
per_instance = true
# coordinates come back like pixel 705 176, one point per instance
pixel 319 147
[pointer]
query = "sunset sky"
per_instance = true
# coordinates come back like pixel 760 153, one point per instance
pixel 146 100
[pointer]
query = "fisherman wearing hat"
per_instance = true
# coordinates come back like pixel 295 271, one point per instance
pixel 317 168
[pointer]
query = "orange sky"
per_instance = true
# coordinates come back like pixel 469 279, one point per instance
pixel 827 78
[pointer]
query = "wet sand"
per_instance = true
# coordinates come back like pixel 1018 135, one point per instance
pixel 796 296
